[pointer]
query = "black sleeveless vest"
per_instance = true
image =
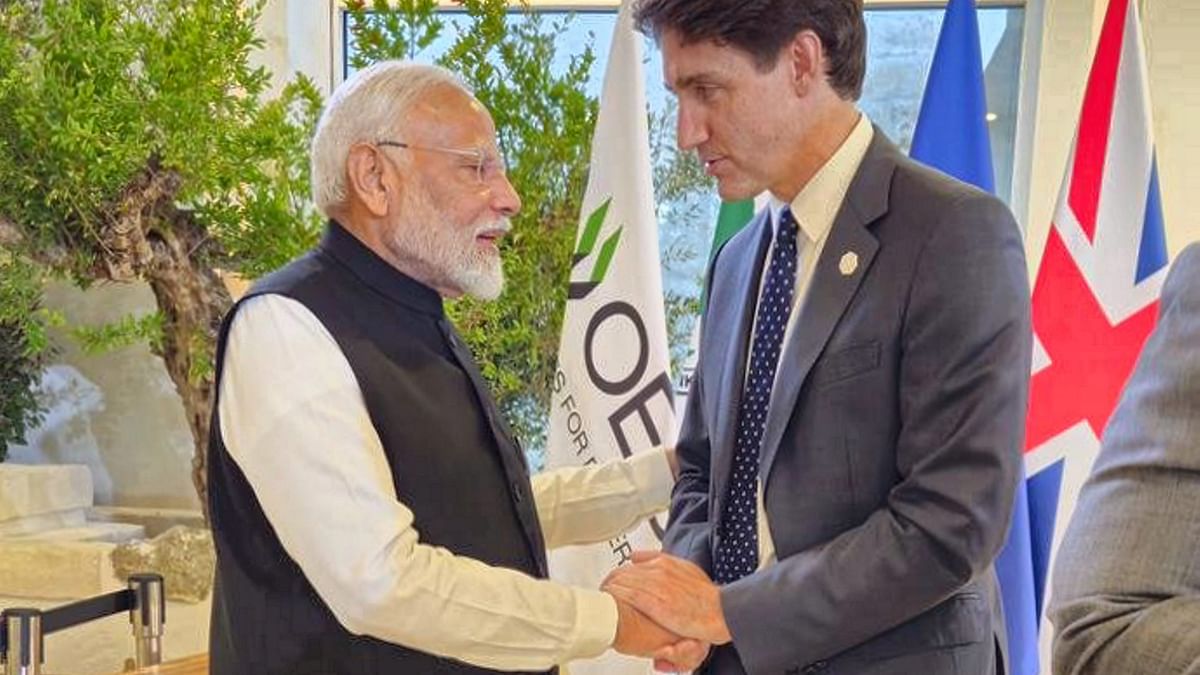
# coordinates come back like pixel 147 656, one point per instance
pixel 454 463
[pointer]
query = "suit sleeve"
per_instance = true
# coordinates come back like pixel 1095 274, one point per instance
pixel 1126 592
pixel 688 529
pixel 592 504
pixel 963 383
pixel 688 533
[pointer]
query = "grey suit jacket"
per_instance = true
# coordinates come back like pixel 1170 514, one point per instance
pixel 892 445
pixel 1126 590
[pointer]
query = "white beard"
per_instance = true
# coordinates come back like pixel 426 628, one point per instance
pixel 443 254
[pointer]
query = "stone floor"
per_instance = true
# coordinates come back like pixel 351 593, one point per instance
pixel 101 647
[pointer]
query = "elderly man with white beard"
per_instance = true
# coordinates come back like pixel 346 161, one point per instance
pixel 371 510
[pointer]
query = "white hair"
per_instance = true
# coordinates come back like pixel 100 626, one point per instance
pixel 369 106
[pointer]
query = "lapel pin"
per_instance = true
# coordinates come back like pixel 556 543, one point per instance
pixel 848 263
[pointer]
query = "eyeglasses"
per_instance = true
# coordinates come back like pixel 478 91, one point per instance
pixel 486 166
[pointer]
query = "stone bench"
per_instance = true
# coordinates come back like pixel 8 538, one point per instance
pixel 48 546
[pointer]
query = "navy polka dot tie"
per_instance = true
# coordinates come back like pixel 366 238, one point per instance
pixel 737 549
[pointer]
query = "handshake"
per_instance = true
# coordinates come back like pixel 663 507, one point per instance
pixel 668 610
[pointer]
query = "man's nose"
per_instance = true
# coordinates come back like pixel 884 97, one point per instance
pixel 505 198
pixel 690 130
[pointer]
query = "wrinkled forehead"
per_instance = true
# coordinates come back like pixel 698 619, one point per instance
pixel 449 116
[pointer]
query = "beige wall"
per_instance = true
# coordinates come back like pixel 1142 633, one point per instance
pixel 115 412
pixel 1173 46
pixel 300 38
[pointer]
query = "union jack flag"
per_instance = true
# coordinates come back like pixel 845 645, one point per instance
pixel 1095 300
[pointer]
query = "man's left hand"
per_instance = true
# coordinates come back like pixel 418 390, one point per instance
pixel 673 592
pixel 683 656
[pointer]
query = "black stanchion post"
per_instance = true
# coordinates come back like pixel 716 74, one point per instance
pixel 23 633
pixel 148 614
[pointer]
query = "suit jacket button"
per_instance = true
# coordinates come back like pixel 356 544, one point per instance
pixel 516 490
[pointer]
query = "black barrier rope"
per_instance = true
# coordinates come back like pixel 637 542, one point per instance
pixel 60 618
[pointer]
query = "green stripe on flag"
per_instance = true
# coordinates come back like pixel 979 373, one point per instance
pixel 732 217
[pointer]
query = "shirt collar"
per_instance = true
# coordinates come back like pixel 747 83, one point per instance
pixel 377 273
pixel 818 203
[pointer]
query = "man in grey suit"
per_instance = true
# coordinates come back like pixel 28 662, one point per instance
pixel 1126 591
pixel 851 443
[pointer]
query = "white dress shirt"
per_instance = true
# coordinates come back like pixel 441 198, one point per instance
pixel 814 208
pixel 294 420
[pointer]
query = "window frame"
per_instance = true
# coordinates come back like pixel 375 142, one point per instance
pixel 334 9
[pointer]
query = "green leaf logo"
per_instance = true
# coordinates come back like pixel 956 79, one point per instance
pixel 587 243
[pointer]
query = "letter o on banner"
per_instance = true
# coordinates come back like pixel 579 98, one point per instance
pixel 612 309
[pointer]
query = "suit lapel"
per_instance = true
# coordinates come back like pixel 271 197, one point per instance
pixel 831 290
pixel 735 311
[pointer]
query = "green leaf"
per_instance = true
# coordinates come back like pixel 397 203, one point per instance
pixel 606 255
pixel 121 333
pixel 591 232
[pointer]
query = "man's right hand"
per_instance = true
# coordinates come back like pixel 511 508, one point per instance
pixel 638 635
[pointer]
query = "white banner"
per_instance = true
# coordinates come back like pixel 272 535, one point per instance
pixel 613 389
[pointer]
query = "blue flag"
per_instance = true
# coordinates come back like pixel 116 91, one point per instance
pixel 951 133
pixel 952 136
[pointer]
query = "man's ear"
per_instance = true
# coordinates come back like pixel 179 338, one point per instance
pixel 369 178
pixel 806 55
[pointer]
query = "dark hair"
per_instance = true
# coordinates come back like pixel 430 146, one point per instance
pixel 762 28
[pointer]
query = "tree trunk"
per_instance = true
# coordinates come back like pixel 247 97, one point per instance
pixel 193 300
pixel 148 237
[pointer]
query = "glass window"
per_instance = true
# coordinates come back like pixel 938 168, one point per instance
pixel 900 52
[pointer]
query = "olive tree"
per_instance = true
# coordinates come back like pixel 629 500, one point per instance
pixel 137 143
